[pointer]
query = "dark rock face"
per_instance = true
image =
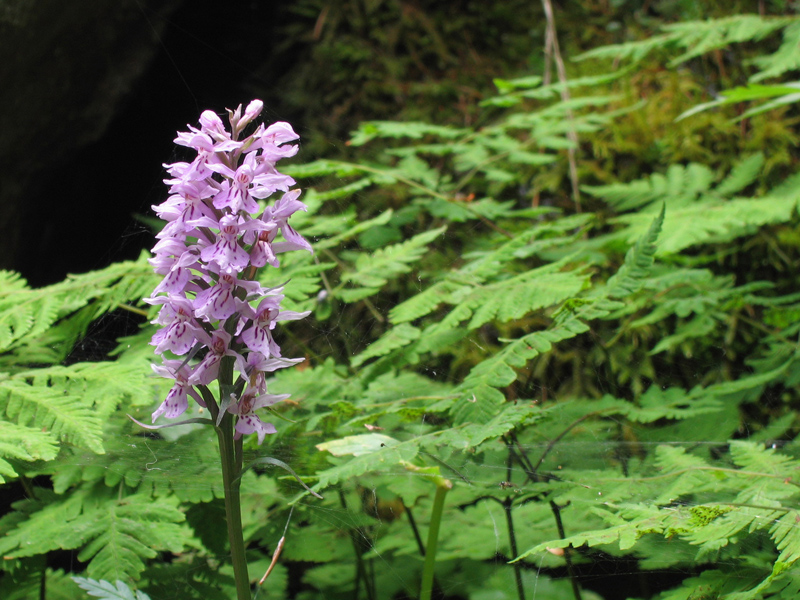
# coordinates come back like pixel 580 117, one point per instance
pixel 68 69
pixel 93 91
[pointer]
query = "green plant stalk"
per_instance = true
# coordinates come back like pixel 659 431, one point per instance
pixel 361 571
pixel 442 487
pixel 231 469
pixel 512 538
pixel 230 452
pixel 508 506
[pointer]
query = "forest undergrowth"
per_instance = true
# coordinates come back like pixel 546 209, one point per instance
pixel 565 340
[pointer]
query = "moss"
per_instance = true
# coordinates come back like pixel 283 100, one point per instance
pixel 703 515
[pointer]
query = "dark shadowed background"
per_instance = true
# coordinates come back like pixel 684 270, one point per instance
pixel 92 92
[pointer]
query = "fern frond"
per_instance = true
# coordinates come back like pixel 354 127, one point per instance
pixel 423 303
pixel 680 185
pixel 695 37
pixel 641 520
pixel 105 590
pixel 25 444
pixel 783 60
pixel 158 468
pixel 321 168
pixel 371 130
pixel 122 535
pixel 743 174
pixel 713 220
pixel 335 224
pixel 41 325
pixel 372 271
pixel 395 338
pixel 66 417
pixel 516 297
pixel 634 51
pixel 371 452
pixel 510 417
pixel 786 535
pixel 114 536
pixel 701 37
pixel 479 398
pixel 103 386
pixel 638 261
pixel 340 192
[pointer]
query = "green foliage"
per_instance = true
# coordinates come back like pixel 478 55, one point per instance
pixel 115 536
pixel 697 38
pixel 611 388
pixel 107 591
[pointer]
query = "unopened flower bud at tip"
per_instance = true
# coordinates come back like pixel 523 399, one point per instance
pixel 253 110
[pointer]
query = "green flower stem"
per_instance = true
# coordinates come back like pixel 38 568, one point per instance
pixel 512 538
pixel 231 469
pixel 442 487
pixel 230 451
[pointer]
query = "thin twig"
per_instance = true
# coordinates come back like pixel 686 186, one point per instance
pixel 523 458
pixel 576 590
pixel 414 528
pixel 548 56
pixel 361 572
pixel 508 507
pixel 565 97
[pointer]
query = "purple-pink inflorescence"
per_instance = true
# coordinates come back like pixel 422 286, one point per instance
pixel 215 240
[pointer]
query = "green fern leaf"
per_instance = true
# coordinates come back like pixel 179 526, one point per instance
pixel 395 338
pixel 480 399
pixel 348 296
pixel 634 51
pixel 511 416
pixel 712 222
pixel 784 59
pixel 641 520
pixel 391 129
pixel 719 532
pixel 24 444
pixel 698 327
pixel 514 298
pixel 684 475
pixel 743 174
pixel 15 322
pixel 321 168
pixel 121 535
pixel 669 403
pixel 697 37
pixel 66 417
pixel 41 325
pixel 714 583
pixel 159 468
pixel 374 270
pixel 105 590
pixel 104 386
pixel 701 37
pixel 423 303
pixel 638 262
pixel 115 536
pixel 370 453
pixel 786 534
pixel 340 192
pixel 348 234
pixel 681 185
